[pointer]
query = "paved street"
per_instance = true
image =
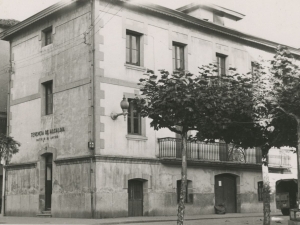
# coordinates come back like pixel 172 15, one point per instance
pixel 228 219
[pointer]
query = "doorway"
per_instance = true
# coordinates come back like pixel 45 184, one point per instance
pixel 48 181
pixel 135 198
pixel 225 192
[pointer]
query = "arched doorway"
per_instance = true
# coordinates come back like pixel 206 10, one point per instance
pixel 225 192
pixel 48 180
pixel 135 197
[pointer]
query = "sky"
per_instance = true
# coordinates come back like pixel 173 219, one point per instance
pixel 276 20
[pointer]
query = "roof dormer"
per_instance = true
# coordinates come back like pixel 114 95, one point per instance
pixel 210 12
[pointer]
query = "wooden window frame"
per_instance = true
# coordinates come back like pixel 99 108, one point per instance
pixel 175 47
pixel 221 64
pixel 131 120
pixel 130 34
pixel 48 97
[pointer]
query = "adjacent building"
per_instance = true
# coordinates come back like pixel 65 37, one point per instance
pixel 4 78
pixel 71 65
pixel 4 73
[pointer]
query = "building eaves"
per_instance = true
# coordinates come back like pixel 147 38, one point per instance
pixel 230 13
pixel 210 25
pixel 5 35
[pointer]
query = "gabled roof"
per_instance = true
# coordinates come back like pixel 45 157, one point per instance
pixel 221 10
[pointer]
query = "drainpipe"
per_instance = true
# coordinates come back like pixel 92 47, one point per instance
pixel 92 159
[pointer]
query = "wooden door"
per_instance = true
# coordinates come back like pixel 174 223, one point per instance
pixel 48 182
pixel 135 198
pixel 225 192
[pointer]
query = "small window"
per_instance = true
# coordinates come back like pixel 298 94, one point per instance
pixel 254 68
pixel 260 191
pixel 133 48
pixel 134 119
pixel 47 36
pixel 188 196
pixel 48 97
pixel 221 64
pixel 178 56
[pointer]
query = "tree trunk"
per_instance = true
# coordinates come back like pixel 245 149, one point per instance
pixel 298 161
pixel 181 207
pixel 266 192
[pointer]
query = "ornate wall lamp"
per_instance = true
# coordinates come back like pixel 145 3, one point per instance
pixel 124 106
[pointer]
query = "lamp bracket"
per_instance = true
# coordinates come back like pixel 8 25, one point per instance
pixel 114 115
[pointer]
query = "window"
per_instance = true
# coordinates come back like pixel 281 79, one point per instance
pixel 47 36
pixel 134 119
pixel 221 64
pixel 48 97
pixel 178 56
pixel 133 48
pixel 188 196
pixel 260 191
pixel 254 68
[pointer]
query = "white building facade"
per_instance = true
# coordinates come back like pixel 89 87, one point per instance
pixel 72 64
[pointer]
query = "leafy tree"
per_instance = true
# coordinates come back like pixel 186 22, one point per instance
pixel 239 109
pixel 248 124
pixel 285 94
pixel 183 102
pixel 261 126
pixel 8 147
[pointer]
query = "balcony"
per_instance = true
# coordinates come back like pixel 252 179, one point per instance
pixel 218 154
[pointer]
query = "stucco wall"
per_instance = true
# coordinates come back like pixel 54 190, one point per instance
pixel 66 63
pixel 159 188
pixel 22 191
pixel 71 194
pixel 114 78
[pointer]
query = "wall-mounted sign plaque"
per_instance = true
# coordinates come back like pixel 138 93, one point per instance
pixel 47 134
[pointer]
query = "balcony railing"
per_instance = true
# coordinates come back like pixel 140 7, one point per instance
pixel 171 148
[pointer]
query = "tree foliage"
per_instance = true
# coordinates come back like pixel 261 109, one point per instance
pixel 8 147
pixel 205 102
pixel 285 77
pixel 253 110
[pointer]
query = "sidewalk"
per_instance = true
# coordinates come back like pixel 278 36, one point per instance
pixel 125 220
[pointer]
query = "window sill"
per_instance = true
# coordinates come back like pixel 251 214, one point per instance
pixel 47 115
pixel 136 137
pixel 133 67
pixel 46 47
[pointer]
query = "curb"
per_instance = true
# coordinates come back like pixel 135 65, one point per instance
pixel 170 220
